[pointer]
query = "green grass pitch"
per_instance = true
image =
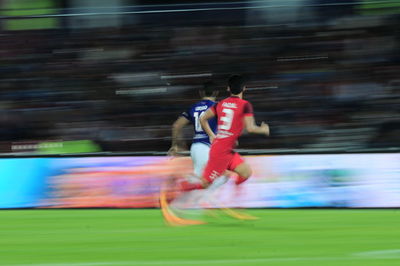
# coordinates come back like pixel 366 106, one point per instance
pixel 140 237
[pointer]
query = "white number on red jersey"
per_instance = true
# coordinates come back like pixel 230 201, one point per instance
pixel 227 119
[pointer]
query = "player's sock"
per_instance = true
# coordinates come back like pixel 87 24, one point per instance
pixel 187 186
pixel 217 183
pixel 240 179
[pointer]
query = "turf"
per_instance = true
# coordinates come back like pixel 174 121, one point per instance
pixel 140 237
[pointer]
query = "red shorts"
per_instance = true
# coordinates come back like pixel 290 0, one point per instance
pixel 218 164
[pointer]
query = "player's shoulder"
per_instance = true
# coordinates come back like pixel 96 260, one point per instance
pixel 209 103
pixel 244 102
pixel 202 105
pixel 234 101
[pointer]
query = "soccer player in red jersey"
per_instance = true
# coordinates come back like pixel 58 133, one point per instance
pixel 233 115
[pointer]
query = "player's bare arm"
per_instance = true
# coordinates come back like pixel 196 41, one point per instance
pixel 177 127
pixel 205 125
pixel 251 126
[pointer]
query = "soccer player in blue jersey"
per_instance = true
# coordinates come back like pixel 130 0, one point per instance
pixel 199 150
pixel 200 147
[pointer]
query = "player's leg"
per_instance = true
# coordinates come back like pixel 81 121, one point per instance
pixel 239 166
pixel 215 167
pixel 171 218
pixel 211 170
pixel 244 172
pixel 184 185
pixel 169 215
pixel 200 154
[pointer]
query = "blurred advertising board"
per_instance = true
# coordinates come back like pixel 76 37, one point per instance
pixel 279 181
pixel 18 9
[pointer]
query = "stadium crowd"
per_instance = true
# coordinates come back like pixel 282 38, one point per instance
pixel 327 83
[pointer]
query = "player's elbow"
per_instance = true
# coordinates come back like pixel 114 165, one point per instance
pixel 250 129
pixel 203 121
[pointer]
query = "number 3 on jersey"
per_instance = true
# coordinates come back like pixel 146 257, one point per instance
pixel 227 119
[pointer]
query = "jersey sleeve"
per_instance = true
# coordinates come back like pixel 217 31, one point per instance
pixel 186 115
pixel 248 109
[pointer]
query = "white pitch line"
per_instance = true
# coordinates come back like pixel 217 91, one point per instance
pixel 194 262
pixel 380 254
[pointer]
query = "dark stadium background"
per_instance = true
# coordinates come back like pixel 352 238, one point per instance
pixel 323 74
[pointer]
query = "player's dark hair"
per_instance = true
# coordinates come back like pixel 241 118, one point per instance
pixel 209 89
pixel 236 84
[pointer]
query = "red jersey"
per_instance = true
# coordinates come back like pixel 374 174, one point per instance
pixel 230 114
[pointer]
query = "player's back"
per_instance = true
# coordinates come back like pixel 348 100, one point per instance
pixel 193 115
pixel 230 113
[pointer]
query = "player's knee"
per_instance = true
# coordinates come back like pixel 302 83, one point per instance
pixel 243 176
pixel 244 171
pixel 247 173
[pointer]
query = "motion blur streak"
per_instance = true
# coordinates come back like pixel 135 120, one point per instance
pixel 115 74
pixel 288 181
